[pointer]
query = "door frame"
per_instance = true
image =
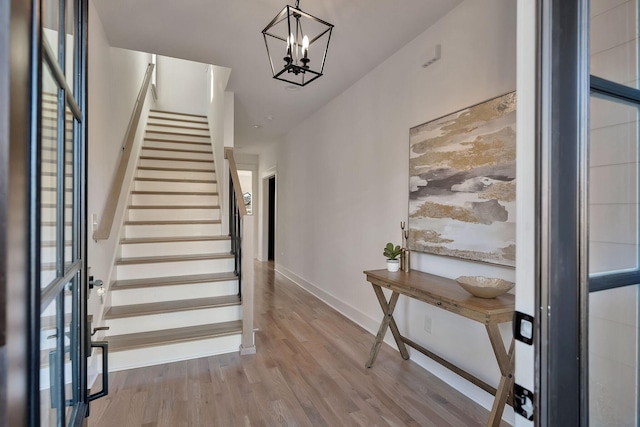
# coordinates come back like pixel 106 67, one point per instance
pixel 19 302
pixel 563 291
pixel 264 212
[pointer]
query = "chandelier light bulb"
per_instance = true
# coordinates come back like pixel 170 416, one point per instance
pixel 305 46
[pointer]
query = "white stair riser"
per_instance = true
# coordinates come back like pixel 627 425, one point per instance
pixel 122 296
pixel 49 232
pixel 151 143
pixel 174 199
pixel 174 230
pixel 186 155
pixel 178 319
pixel 48 254
pixel 50 197
pixel 158 214
pixel 142 173
pixel 171 115
pixel 51 156
pixel 171 137
pixel 50 213
pixel 174 248
pixel 51 181
pixel 49 166
pixel 170 118
pixel 171 163
pixel 175 186
pixel 178 129
pixel 52 166
pixel 170 122
pixel 166 269
pixel 149 356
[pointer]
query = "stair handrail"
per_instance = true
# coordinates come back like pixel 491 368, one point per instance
pixel 106 219
pixel 241 231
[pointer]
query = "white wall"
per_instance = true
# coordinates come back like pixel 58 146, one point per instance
pixel 114 80
pixel 217 114
pixel 342 181
pixel 182 85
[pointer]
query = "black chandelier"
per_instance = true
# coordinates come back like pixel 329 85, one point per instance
pixel 303 39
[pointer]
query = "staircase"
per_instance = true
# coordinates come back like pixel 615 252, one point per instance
pixel 175 295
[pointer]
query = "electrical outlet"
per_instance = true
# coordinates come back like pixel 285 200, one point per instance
pixel 427 324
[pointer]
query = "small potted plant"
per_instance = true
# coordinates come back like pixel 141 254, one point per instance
pixel 391 253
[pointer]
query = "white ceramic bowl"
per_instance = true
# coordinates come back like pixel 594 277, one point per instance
pixel 484 287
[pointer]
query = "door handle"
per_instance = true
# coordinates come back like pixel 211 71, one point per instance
pixel 104 345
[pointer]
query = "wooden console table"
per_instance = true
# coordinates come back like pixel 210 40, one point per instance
pixel 448 295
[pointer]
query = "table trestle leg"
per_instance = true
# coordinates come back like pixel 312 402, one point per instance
pixel 387 322
pixel 506 363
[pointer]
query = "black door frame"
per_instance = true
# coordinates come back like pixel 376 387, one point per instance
pixel 563 94
pixel 271 226
pixel 20 59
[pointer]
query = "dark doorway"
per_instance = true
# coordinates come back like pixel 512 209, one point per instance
pixel 272 219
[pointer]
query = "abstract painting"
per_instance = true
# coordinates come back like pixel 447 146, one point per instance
pixel 462 183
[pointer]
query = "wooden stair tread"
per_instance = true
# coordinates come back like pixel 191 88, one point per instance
pixel 153 117
pixel 212 207
pixel 177 150
pixel 175 222
pixel 172 258
pixel 130 241
pixel 167 169
pixel 190 181
pixel 153 110
pixel 177 193
pixel 170 159
pixel 162 132
pixel 175 141
pixel 172 280
pixel 134 310
pixel 170 125
pixel 171 336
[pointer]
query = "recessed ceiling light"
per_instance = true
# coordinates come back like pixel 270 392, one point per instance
pixel 257 126
pixel 292 88
pixel 269 117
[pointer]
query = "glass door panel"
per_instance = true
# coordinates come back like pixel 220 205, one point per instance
pixel 70 350
pixel 62 396
pixel 51 23
pixel 49 364
pixel 49 178
pixel 613 187
pixel 68 183
pixel 613 250
pixel 70 32
pixel 613 358
pixel 614 41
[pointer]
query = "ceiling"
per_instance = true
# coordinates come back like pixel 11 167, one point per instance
pixel 228 33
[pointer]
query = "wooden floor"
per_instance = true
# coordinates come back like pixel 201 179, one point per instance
pixel 308 371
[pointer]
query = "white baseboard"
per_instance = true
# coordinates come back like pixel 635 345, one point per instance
pixel 465 387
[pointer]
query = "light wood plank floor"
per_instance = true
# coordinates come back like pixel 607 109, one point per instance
pixel 308 371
